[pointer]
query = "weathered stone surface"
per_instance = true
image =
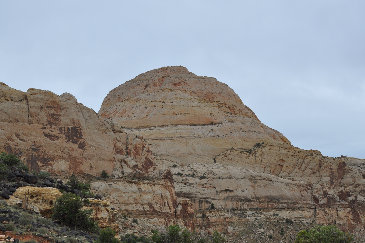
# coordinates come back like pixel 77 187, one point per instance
pixel 143 201
pixel 184 149
pixel 60 135
pixel 102 213
pixel 226 164
pixel 172 96
pixel 42 199
pixel 53 132
pixel 37 199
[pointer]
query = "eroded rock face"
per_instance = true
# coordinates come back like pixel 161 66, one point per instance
pixel 225 163
pixel 53 132
pixel 60 135
pixel 37 199
pixel 184 149
pixel 172 96
pixel 42 200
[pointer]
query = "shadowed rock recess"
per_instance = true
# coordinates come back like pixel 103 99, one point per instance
pixel 184 149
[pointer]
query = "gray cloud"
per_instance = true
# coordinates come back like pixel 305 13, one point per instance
pixel 300 65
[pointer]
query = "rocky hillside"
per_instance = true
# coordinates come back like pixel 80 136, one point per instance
pixel 184 149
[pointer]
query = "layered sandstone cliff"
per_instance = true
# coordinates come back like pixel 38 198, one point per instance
pixel 183 149
pixel 60 135
pixel 222 157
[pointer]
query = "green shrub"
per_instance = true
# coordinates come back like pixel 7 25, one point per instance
pixel 78 187
pixel 104 174
pixel 212 207
pixel 43 175
pixel 25 219
pixel 9 159
pixel 186 236
pixel 4 170
pixel 178 235
pixel 157 237
pixel 73 240
pixel 132 238
pixel 67 211
pixel 9 162
pixel 43 231
pixel 282 232
pixel 107 235
pixel 9 226
pixel 217 237
pixel 76 184
pixel 22 167
pixel 323 234
pixel 174 234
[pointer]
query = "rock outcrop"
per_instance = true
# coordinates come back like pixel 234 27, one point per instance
pixel 183 148
pixel 225 162
pixel 37 199
pixel 53 132
pixel 42 199
pixel 59 135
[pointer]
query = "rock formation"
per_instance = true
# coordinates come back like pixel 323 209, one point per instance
pixel 42 199
pixel 183 148
pixel 37 199
pixel 53 132
pixel 58 134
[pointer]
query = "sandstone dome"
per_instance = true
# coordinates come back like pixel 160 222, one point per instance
pixel 184 117
pixel 172 96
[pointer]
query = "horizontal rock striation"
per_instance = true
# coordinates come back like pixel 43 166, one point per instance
pixel 60 135
pixel 182 148
pixel 228 165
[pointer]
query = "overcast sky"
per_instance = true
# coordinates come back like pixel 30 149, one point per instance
pixel 300 65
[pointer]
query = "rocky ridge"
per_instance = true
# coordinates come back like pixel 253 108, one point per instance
pixel 183 148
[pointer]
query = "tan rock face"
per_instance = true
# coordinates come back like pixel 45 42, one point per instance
pixel 60 135
pixel 103 213
pixel 37 199
pixel 188 118
pixel 184 149
pixel 43 199
pixel 227 164
pixel 53 132
pixel 172 96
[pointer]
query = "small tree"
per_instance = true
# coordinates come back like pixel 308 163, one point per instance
pixel 173 233
pixel 9 159
pixel 107 235
pixel 217 237
pixel 78 187
pixel 323 234
pixel 10 163
pixel 186 236
pixel 67 211
pixel 176 234
pixel 75 184
pixel 4 170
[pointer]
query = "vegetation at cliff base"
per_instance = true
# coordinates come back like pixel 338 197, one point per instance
pixel 107 235
pixel 68 211
pixel 24 222
pixel 104 175
pixel 78 187
pixel 9 159
pixel 174 234
pixel 323 234
pixel 9 164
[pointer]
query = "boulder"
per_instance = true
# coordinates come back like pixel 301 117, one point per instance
pixel 37 199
